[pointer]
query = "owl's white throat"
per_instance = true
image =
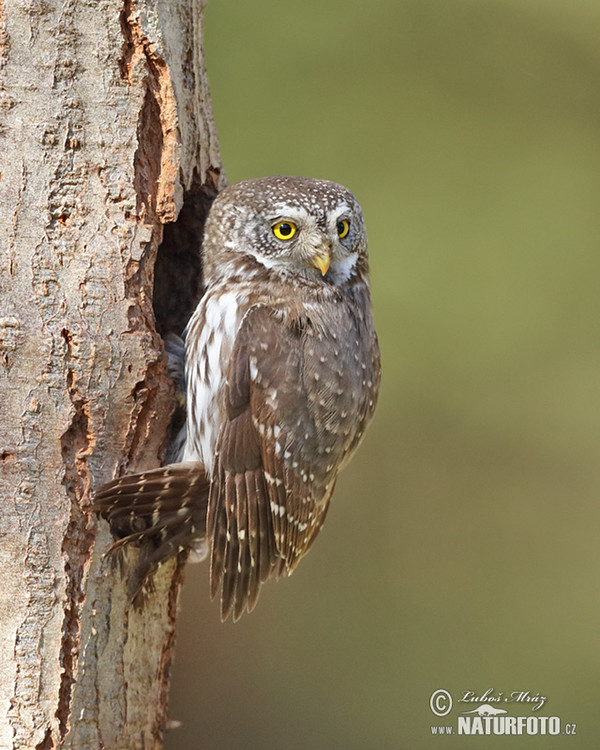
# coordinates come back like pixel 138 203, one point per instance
pixel 341 269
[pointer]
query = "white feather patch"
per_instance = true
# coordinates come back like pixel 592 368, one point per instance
pixel 341 270
pixel 208 357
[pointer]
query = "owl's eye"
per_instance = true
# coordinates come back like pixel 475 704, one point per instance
pixel 284 230
pixel 343 227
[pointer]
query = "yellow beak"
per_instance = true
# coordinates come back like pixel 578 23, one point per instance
pixel 321 259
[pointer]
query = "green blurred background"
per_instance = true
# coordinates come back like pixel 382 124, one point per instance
pixel 461 550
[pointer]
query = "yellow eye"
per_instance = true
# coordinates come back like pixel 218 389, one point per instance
pixel 284 230
pixel 343 227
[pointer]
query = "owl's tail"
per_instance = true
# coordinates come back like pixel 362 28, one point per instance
pixel 162 511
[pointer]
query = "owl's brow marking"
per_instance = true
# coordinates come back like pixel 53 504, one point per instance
pixel 285 211
pixel 343 209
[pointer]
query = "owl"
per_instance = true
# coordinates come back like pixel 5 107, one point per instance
pixel 282 373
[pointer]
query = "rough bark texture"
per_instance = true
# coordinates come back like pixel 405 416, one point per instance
pixel 106 134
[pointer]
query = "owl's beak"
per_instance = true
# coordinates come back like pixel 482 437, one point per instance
pixel 321 258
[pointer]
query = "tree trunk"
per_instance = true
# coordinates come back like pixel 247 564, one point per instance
pixel 107 137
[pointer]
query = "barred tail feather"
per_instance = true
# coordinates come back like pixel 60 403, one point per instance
pixel 163 511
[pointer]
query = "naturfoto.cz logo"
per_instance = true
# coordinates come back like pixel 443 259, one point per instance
pixel 487 713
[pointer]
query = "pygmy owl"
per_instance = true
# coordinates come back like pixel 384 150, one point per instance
pixel 282 370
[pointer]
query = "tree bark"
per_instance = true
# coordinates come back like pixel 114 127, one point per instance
pixel 107 138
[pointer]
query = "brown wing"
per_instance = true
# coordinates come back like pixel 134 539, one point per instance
pixel 267 498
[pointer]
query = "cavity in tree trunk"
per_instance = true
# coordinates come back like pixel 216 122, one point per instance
pixel 109 163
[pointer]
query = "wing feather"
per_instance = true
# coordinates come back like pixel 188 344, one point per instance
pixel 267 499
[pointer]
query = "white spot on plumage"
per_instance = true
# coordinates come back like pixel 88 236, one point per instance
pixel 253 368
pixel 279 510
pixel 272 480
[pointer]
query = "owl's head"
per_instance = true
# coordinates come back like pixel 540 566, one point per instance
pixel 292 226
